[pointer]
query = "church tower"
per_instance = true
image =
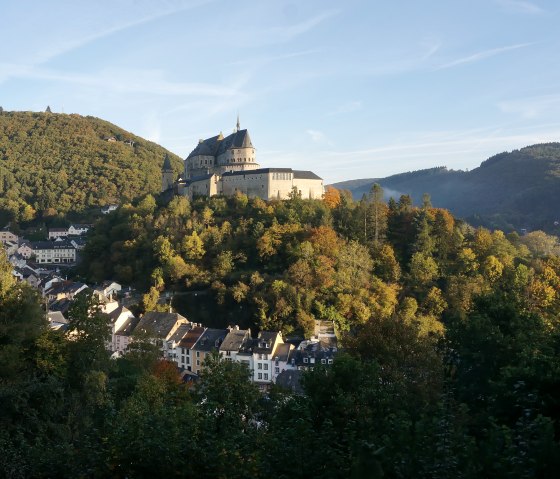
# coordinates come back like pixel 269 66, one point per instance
pixel 166 174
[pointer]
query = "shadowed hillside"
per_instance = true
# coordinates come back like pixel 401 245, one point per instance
pixel 55 163
pixel 515 190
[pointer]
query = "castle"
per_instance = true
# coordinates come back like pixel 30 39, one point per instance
pixel 226 165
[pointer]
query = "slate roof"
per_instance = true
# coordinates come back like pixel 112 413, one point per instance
pixel 207 147
pixel 282 351
pixel 235 339
pixel 218 144
pixel 305 175
pixel 36 245
pixel 210 339
pixel 114 315
pixel 180 332
pixel 265 338
pixel 128 327
pixel 159 323
pixel 290 379
pixel 57 317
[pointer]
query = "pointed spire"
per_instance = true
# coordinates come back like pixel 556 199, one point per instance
pixel 238 127
pixel 167 163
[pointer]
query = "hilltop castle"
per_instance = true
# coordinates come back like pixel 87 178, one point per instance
pixel 225 165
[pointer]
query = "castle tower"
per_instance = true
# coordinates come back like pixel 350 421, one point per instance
pixel 166 174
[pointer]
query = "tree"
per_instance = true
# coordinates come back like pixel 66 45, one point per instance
pixel 379 212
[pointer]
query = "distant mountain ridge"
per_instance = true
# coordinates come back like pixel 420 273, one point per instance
pixel 54 164
pixel 511 190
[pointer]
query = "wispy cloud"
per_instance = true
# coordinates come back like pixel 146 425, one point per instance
pixel 456 150
pixel 130 81
pixel 532 107
pixel 164 9
pixel 318 137
pixel 482 55
pixel 520 6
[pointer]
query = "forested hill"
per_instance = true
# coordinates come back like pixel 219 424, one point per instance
pixel 519 189
pixel 55 163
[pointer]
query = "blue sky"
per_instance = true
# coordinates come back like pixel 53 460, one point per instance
pixel 348 89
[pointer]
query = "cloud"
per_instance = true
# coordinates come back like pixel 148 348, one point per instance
pixel 129 81
pixel 318 137
pixel 482 55
pixel 520 6
pixel 532 107
pixel 163 10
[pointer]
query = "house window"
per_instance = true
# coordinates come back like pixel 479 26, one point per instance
pixel 277 370
pixel 266 366
pixel 330 361
pixel 266 376
pixel 305 360
pixel 228 353
pixel 259 366
pixel 323 361
pixel 260 375
pixel 198 362
pixel 198 354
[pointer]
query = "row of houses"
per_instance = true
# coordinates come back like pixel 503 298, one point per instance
pixel 72 230
pixel 21 252
pixel 186 343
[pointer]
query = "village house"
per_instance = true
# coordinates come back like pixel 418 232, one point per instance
pixel 78 229
pixel 55 233
pixel 118 317
pixel 185 356
pixel 64 290
pixel 123 336
pixel 264 347
pixel 108 209
pixel 108 289
pixel 280 359
pixel 238 346
pixel 25 249
pixel 160 327
pixel 210 340
pixel 6 235
pixel 54 252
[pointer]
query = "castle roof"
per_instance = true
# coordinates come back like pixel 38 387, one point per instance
pixel 207 147
pixel 218 144
pixel 306 175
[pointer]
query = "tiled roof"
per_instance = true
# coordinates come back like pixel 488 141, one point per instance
pixel 191 337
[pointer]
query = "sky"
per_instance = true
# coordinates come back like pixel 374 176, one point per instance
pixel 348 89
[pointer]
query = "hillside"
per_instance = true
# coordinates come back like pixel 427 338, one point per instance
pixel 55 163
pixel 519 189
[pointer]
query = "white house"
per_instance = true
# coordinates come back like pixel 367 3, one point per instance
pixel 55 233
pixel 238 346
pixel 78 229
pixel 263 355
pixel 54 252
pixel 119 318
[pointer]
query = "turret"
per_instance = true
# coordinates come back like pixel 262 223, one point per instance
pixel 167 174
